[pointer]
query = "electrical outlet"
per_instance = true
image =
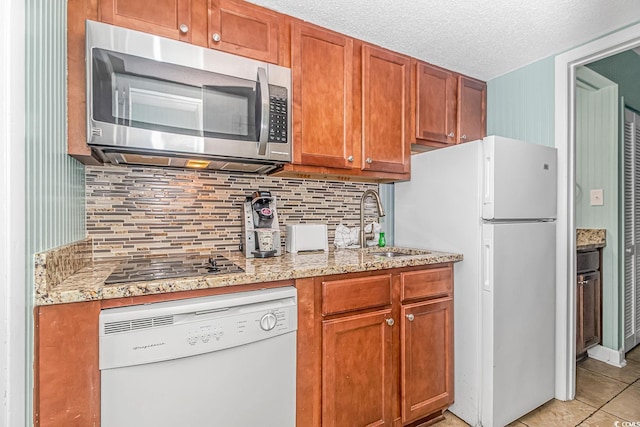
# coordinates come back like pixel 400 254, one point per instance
pixel 597 198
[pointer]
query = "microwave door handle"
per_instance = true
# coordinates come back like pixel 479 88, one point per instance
pixel 264 106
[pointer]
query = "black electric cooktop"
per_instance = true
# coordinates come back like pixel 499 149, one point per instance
pixel 137 270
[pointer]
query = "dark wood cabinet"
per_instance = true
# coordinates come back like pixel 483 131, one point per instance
pixel 386 84
pixel 588 302
pixel 357 379
pixel 322 68
pixel 244 29
pixel 472 109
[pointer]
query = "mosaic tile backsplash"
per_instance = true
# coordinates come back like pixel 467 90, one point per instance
pixel 145 211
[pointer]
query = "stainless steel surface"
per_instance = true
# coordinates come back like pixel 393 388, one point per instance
pixel 410 317
pixel 108 139
pixel 376 196
pixel 390 254
pixel 264 116
pixel 390 321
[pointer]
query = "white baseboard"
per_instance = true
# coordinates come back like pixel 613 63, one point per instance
pixel 607 355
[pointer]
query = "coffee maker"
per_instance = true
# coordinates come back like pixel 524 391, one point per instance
pixel 260 227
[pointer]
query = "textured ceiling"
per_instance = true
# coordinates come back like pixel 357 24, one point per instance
pixel 480 38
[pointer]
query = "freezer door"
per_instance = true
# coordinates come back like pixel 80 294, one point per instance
pixel 519 180
pixel 517 320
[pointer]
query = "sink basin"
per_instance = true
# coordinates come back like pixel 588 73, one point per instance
pixel 390 254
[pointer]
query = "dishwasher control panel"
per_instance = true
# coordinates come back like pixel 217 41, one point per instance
pixel 162 331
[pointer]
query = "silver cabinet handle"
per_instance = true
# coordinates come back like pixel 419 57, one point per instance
pixel 451 135
pixel 369 161
pixel 390 322
pixel 350 158
pixel 464 137
pixel 184 28
pixel 410 317
pixel 216 37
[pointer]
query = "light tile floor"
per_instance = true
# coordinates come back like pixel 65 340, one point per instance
pixel 604 395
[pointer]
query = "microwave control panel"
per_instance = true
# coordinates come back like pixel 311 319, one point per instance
pixel 278 114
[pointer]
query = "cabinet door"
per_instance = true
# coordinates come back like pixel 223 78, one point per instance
pixel 426 346
pixel 386 78
pixel 435 104
pixel 322 67
pixel 357 379
pixel 588 331
pixel 244 29
pixel 167 18
pixel 472 109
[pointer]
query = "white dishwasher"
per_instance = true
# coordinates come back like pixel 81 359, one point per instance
pixel 223 361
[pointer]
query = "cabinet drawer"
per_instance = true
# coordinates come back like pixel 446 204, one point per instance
pixel 426 283
pixel 339 296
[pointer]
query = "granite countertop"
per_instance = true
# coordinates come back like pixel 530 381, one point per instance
pixel 590 238
pixel 87 284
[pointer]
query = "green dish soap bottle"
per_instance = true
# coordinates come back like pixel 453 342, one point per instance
pixel 381 240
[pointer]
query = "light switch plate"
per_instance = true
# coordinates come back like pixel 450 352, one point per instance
pixel 597 198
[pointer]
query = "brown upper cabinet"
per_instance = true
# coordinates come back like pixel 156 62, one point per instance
pixel 386 109
pixel 449 108
pixel 322 67
pixel 231 26
pixel 166 18
pixel 472 109
pixel 435 104
pixel 244 29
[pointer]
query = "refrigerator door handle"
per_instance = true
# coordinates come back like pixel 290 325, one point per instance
pixel 487 257
pixel 488 181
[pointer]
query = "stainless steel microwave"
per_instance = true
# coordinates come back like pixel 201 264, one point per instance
pixel 157 101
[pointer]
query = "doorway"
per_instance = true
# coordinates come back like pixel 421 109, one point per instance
pixel 566 65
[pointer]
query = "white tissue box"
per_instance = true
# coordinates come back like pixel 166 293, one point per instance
pixel 306 237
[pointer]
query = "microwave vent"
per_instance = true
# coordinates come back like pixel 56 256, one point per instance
pixel 96 132
pixel 242 167
pixel 146 160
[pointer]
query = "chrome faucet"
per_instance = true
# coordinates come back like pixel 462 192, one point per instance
pixel 376 196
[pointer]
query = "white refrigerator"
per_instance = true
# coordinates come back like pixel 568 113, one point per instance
pixel 494 201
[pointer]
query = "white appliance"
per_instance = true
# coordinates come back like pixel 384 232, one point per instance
pixel 227 360
pixel 306 237
pixel 494 201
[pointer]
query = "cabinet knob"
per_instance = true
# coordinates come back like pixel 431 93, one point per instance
pixel 410 317
pixel 369 161
pixel 464 137
pixel 350 158
pixel 215 37
pixel 184 28
pixel 390 321
pixel 451 135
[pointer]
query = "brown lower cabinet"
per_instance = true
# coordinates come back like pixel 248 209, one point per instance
pixel 387 347
pixel 374 349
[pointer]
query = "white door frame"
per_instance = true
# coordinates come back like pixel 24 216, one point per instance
pixel 13 310
pixel 565 72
